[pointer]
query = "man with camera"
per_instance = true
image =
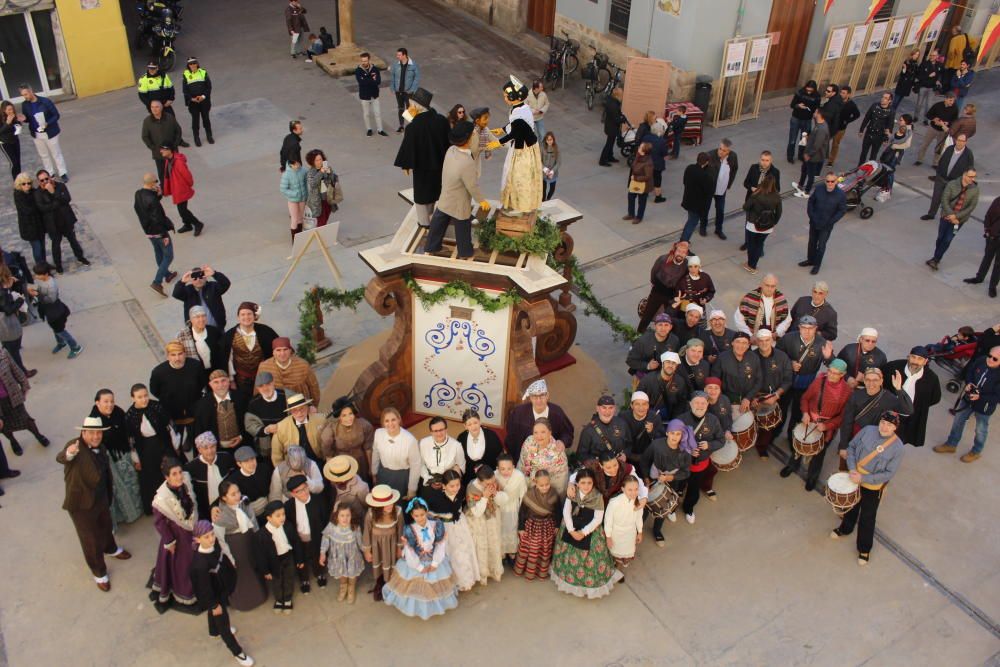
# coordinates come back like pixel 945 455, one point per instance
pixel 195 289
pixel 979 399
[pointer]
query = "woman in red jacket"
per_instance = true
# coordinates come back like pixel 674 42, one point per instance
pixel 178 183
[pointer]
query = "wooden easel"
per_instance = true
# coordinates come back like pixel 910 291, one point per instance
pixel 314 237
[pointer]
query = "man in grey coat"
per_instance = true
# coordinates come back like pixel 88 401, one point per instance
pixel 459 186
pixel 955 161
pixel 815 154
pixel 958 201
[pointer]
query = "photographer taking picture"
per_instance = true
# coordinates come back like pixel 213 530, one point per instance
pixel 196 289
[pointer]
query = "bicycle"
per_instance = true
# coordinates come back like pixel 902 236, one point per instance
pixel 597 76
pixel 562 57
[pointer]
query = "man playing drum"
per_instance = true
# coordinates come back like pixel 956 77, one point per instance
pixel 822 407
pixel 806 350
pixel 644 355
pixel 693 364
pixel 644 426
pixel 776 380
pixel 666 462
pixel 866 405
pixel 873 456
pixel 722 408
pixel 861 355
pixel 739 372
pixel 710 437
pixel 668 390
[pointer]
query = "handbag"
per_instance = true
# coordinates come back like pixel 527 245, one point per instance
pixel 636 187
pixel 335 194
pixel 308 219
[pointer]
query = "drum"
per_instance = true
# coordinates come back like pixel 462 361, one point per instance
pixel 662 500
pixel 842 493
pixel 728 458
pixel 768 416
pixel 807 440
pixel 744 429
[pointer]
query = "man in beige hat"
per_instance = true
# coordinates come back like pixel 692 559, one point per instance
pixel 301 427
pixel 342 471
pixel 290 372
pixel 88 498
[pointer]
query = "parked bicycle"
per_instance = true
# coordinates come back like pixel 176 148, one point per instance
pixel 562 57
pixel 597 75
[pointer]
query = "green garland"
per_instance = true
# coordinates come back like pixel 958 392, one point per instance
pixel 619 330
pixel 542 240
pixel 327 299
pixel 460 288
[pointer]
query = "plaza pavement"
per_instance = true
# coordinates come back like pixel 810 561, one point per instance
pixel 756 581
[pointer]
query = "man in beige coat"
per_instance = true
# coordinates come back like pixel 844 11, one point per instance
pixel 459 186
pixel 300 428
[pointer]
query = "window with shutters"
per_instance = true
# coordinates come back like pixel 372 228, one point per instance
pixel 618 23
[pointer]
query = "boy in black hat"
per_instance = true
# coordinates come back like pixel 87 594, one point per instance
pixel 308 513
pixel 279 554
pixel 459 184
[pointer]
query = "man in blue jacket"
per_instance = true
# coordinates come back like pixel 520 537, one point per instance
pixel 369 79
pixel 826 206
pixel 43 122
pixel 405 81
pixel 979 399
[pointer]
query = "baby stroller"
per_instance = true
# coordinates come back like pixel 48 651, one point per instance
pixel 955 361
pixel 627 142
pixel 857 182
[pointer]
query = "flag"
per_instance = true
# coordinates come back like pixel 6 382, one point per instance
pixel 934 8
pixel 990 37
pixel 826 6
pixel 874 8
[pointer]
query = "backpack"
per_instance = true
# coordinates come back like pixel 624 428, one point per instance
pixel 766 219
pixel 969 53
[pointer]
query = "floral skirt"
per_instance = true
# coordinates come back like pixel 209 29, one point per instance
pixel 126 505
pixel 584 573
pixel 421 594
pixel 534 552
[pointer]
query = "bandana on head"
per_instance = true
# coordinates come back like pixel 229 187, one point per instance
pixel 536 388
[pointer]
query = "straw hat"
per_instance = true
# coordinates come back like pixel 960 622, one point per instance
pixel 340 468
pixel 382 496
pixel 93 424
pixel 297 401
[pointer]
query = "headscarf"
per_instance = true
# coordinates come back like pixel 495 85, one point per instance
pixel 688 442
pixel 536 388
pixel 542 504
pixel 593 500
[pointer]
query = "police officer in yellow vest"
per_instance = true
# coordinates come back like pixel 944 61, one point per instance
pixel 155 85
pixel 197 89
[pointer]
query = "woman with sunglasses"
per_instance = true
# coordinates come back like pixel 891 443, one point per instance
pixel 10 144
pixel 53 200
pixel 29 218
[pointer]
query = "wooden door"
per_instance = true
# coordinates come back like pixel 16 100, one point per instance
pixel 791 19
pixel 542 16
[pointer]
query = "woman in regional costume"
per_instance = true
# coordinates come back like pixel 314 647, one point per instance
pixel 382 534
pixel 174 514
pixel 542 452
pixel 484 499
pixel 423 584
pixel 126 505
pixel 447 504
pixel 236 524
pixel 537 523
pixel 521 184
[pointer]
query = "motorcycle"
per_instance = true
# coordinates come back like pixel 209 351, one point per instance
pixel 152 13
pixel 163 43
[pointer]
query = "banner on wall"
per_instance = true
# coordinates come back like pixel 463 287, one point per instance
pixel 934 29
pixel 913 34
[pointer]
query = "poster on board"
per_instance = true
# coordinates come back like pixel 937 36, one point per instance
pixel 857 43
pixel 758 54
pixel 913 34
pixel 877 37
pixel 934 29
pixel 838 39
pixel 896 33
pixel 736 53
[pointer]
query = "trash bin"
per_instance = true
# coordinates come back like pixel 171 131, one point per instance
pixel 703 93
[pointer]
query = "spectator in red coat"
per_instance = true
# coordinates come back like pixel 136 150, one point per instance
pixel 178 183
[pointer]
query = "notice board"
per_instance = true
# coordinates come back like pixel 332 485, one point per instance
pixel 647 83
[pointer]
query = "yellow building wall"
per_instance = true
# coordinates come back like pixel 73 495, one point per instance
pixel 96 45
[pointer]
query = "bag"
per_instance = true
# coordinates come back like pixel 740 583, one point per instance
pixel 969 53
pixel 55 313
pixel 335 194
pixel 766 219
pixel 636 187
pixel 308 219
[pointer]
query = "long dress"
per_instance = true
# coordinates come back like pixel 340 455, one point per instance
pixel 514 488
pixel 417 593
pixel 382 538
pixel 237 526
pixel 342 547
pixel 126 501
pixel 149 433
pixel 483 516
pixel 622 523
pixel 551 458
pixel 355 441
pixel 481 451
pixel 521 183
pixel 461 547
pixel 538 519
pixel 583 568
pixel 174 514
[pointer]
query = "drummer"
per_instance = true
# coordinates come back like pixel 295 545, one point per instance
pixel 693 364
pixel 722 408
pixel 668 461
pixel 606 432
pixel 822 408
pixel 866 405
pixel 739 371
pixel 717 337
pixel 691 324
pixel 644 426
pixel 861 355
pixel 668 390
pixel 776 380
pixel 806 350
pixel 873 457
pixel 710 437
pixel 644 355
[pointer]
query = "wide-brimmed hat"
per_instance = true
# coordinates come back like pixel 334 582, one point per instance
pixel 340 468
pixel 423 97
pixel 382 495
pixel 93 424
pixel 297 401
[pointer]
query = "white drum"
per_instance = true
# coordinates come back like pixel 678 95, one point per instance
pixel 807 439
pixel 728 458
pixel 744 428
pixel 842 493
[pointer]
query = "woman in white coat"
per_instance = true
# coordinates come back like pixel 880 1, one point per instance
pixel 623 523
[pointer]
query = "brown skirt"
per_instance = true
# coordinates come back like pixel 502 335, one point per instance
pixel 250 591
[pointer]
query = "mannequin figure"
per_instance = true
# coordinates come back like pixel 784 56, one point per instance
pixel 521 185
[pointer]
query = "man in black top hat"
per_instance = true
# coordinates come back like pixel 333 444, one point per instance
pixel 422 151
pixel 459 185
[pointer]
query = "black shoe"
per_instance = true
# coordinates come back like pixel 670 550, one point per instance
pixel 59 268
pixel 31 373
pixel 805 262
pixel 11 474
pixel 927 217
pixel 613 159
pixel 183 144
pixel 992 292
pixel 604 164
pixel 16 448
pixel 786 471
pixel 295 56
pixel 659 200
pixel 702 232
pixel 918 162
pixel 810 484
pixel 321 582
pixel 743 247
pixel 42 440
pixel 382 133
pixel 64 178
pixel 814 270
pixel 83 260
pixel 369 133
pixel 973 281
pixel 305 588
pixel 197 140
pixel 720 234
pixel 199 228
pixel 210 139
pixel 399 130
pixel 184 229
pixel 933 263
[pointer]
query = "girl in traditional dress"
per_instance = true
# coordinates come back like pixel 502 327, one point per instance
pixel 346 432
pixel 126 505
pixel 246 345
pixel 423 585
pixel 536 527
pixel 581 563
pixel 174 514
pixel 382 537
pixel 484 498
pixel 514 485
pixel 623 523
pixel 148 426
pixel 340 551
pixel 481 137
pixel 542 452
pixel 236 524
pixel 481 445
pixel 446 504
pixel 521 184
pixel 350 490
pixel 395 455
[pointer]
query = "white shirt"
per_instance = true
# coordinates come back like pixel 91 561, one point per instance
pixel 910 384
pixel 220 400
pixel 302 521
pixel 396 453
pixel 544 414
pixel 213 479
pixel 281 544
pixel 436 458
pixel 722 183
pixel 146 429
pixel 476 446
pixel 242 520
pixel 250 339
pixel 590 527
pixel 201 344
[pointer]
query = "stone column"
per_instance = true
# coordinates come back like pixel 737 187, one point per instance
pixel 346 13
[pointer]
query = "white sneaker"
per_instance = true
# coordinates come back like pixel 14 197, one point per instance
pixel 795 186
pixel 689 518
pixel 672 517
pixel 244 660
pixel 232 630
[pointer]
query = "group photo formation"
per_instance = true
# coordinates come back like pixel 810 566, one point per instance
pixel 445 321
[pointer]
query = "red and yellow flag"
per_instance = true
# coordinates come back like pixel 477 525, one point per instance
pixel 873 9
pixel 934 8
pixel 826 6
pixel 990 37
